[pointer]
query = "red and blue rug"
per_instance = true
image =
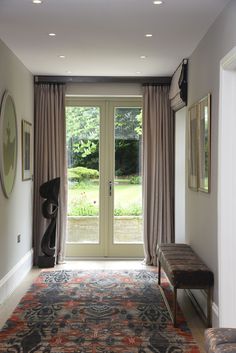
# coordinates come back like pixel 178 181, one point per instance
pixel 95 312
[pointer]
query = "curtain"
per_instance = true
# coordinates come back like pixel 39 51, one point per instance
pixel 158 170
pixel 49 161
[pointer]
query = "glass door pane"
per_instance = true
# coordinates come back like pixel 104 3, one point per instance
pixel 127 183
pixel 125 204
pixel 82 137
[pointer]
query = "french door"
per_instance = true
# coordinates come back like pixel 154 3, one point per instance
pixel 104 139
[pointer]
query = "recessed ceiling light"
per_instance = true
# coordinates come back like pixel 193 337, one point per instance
pixel 52 34
pixel 138 72
pixel 143 57
pixel 148 35
pixel 62 56
pixel 157 2
pixel 37 2
pixel 69 72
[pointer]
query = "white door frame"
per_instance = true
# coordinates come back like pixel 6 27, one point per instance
pixel 227 191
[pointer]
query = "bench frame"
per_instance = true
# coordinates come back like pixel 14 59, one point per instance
pixel 173 313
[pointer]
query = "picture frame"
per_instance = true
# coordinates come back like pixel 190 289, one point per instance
pixel 26 150
pixel 8 143
pixel 204 144
pixel 192 147
pixel 199 145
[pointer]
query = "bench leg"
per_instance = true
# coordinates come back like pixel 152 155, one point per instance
pixel 159 273
pixel 209 306
pixel 175 306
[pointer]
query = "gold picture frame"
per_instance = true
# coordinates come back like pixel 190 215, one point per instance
pixel 199 145
pixel 204 144
pixel 26 150
pixel 192 150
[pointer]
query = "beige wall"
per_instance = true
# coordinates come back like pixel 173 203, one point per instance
pixel 16 212
pixel 204 71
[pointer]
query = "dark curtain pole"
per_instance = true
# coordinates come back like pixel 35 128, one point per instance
pixel 162 80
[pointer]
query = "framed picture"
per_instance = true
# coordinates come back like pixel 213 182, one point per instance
pixel 192 147
pixel 204 144
pixel 26 150
pixel 8 143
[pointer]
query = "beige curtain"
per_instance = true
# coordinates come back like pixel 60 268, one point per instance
pixel 50 160
pixel 158 170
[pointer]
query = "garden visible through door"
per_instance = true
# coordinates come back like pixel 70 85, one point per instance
pixel 104 140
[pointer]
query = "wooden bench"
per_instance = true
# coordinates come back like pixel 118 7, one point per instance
pixel 185 270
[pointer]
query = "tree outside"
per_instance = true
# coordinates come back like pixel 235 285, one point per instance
pixel 82 137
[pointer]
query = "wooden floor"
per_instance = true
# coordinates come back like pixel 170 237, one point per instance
pixel 194 321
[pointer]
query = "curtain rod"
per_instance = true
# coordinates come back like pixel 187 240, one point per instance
pixel 162 80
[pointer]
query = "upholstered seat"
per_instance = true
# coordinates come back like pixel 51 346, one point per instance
pixel 183 267
pixel 185 270
pixel 220 340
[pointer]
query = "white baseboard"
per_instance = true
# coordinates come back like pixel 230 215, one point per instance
pixel 199 300
pixel 14 277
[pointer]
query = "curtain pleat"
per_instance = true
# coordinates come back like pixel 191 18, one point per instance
pixel 158 170
pixel 49 161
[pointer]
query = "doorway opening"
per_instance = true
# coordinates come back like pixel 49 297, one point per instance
pixel 104 140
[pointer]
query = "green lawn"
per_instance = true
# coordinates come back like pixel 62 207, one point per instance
pixel 84 199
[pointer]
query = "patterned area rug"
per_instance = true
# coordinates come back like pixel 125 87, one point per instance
pixel 95 312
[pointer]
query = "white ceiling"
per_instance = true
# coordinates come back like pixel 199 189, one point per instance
pixel 105 37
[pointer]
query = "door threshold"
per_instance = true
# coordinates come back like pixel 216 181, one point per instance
pixel 102 258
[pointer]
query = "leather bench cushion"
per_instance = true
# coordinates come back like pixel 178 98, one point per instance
pixel 220 340
pixel 183 267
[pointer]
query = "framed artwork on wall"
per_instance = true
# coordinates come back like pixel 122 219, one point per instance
pixel 204 145
pixel 26 150
pixel 8 143
pixel 199 145
pixel 192 148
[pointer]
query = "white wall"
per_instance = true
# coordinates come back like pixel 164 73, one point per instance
pixel 104 89
pixel 180 172
pixel 227 191
pixel 204 73
pixel 16 212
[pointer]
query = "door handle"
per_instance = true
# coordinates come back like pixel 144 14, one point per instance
pixel 110 188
